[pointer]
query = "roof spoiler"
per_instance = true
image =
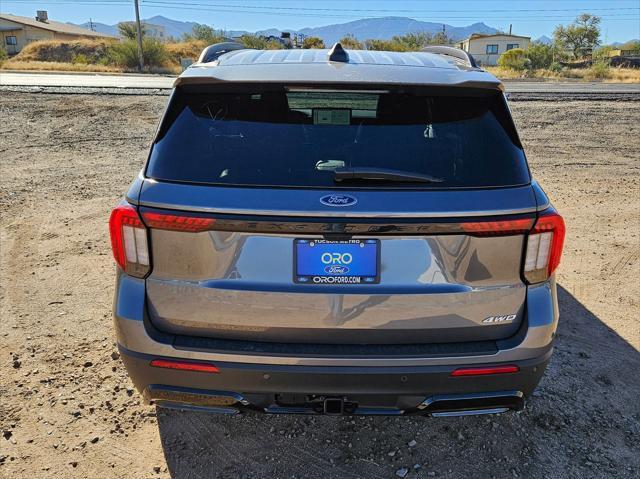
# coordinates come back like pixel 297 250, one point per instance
pixel 213 52
pixel 452 52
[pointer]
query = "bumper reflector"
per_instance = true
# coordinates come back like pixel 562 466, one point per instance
pixel 510 368
pixel 184 366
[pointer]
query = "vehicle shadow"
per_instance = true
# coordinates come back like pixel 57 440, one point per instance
pixel 583 421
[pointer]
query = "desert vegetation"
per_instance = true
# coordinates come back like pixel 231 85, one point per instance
pixel 575 52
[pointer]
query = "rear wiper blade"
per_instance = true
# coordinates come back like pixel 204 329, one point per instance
pixel 383 174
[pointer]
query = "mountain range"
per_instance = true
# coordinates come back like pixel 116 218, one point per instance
pixel 363 29
pixel 381 28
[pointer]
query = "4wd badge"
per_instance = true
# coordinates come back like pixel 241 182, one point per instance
pixel 499 319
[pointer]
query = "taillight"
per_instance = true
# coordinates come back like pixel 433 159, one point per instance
pixel 129 240
pixel 544 247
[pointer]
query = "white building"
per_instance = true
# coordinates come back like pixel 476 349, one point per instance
pixel 486 49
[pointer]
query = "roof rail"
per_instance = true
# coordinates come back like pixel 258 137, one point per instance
pixel 212 52
pixel 452 52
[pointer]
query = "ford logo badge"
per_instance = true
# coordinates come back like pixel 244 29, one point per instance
pixel 338 200
pixel 336 269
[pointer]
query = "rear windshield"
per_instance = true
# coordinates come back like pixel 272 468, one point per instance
pixel 292 137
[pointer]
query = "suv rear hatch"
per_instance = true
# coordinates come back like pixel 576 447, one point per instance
pixel 422 195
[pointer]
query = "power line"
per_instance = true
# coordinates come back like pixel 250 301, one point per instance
pixel 234 8
pixel 195 7
pixel 209 7
pixel 341 9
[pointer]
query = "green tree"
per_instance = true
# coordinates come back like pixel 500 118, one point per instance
pixel 414 41
pixel 540 55
pixel 257 42
pixel 392 45
pixel 129 31
pixel 204 33
pixel 440 38
pixel 351 42
pixel 313 42
pixel 513 59
pixel 581 37
pixel 633 45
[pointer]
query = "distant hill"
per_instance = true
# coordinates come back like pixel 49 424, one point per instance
pixel 382 28
pixel 173 28
pixel 619 44
pixel 385 28
pixel 100 28
pixel 544 40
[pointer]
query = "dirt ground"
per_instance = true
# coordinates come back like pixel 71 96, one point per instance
pixel 67 408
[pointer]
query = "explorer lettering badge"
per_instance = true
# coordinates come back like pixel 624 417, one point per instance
pixel 499 319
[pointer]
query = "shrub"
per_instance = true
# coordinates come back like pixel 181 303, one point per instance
pixel 393 45
pixel 599 70
pixel 125 53
pixel 514 59
pixel 179 50
pixel 80 58
pixel 274 45
pixel 313 42
pixel 602 54
pixel 540 55
pixel 250 40
pixel 351 42
pixel 555 67
pixel 3 55
pixel 64 51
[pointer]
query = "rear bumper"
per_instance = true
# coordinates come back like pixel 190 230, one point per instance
pixel 395 383
pixel 369 390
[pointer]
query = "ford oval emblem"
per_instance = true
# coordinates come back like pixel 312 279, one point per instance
pixel 336 269
pixel 338 200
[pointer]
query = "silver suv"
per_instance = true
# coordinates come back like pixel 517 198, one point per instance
pixel 336 232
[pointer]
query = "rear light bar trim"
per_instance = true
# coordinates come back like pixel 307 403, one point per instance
pixel 498 228
pixel 485 371
pixel 177 222
pixel 184 366
pixel 196 222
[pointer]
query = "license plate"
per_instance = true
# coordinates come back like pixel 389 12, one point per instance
pixel 318 261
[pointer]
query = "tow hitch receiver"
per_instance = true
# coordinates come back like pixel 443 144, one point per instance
pixel 333 406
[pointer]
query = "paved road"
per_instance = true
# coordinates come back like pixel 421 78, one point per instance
pixel 163 82
pixel 83 80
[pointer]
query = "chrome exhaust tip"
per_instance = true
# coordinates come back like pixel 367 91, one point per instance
pixel 221 402
pixel 473 404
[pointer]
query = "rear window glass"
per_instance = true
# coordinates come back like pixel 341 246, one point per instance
pixel 290 137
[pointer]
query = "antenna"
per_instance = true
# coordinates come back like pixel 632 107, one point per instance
pixel 338 54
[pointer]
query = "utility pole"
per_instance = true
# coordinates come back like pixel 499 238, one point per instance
pixel 91 25
pixel 139 31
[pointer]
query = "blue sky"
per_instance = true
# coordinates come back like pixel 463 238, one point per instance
pixel 620 18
